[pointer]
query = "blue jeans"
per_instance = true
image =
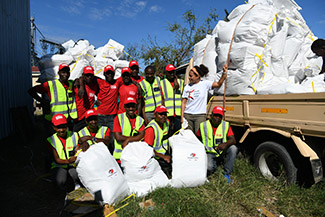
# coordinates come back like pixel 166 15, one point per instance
pixel 213 160
pixel 107 121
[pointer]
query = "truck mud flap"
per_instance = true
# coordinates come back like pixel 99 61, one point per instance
pixel 316 166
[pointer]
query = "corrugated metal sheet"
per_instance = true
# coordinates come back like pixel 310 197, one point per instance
pixel 15 60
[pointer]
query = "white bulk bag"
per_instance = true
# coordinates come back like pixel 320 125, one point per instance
pixel 112 50
pixel 49 61
pixel 141 169
pixel 99 172
pixel 189 160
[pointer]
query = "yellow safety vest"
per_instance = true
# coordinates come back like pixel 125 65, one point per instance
pixel 152 94
pixel 219 137
pixel 126 131
pixel 100 133
pixel 161 137
pixel 63 153
pixel 62 100
pixel 173 98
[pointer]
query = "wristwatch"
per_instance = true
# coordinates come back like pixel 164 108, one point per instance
pixel 94 140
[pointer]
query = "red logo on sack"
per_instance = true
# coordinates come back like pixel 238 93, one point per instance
pixel 193 155
pixel 111 171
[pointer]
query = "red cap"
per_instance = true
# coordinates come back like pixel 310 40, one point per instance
pixel 64 65
pixel 161 109
pixel 170 67
pixel 88 70
pixel 218 110
pixel 91 112
pixel 59 119
pixel 109 68
pixel 130 100
pixel 126 69
pixel 133 63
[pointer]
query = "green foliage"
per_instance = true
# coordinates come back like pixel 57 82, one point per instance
pixel 180 50
pixel 242 198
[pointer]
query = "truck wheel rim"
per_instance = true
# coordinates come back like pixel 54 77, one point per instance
pixel 271 166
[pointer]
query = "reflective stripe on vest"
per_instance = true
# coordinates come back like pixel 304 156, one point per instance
pixel 62 100
pixel 126 131
pixel 70 145
pixel 219 137
pixel 100 133
pixel 152 97
pixel 161 136
pixel 173 99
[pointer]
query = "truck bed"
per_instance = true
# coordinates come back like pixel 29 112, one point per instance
pixel 302 112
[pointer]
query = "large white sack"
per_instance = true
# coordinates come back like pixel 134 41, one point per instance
pixel 49 74
pixel 189 160
pixel 99 172
pixel 76 68
pixel 141 169
pixel 68 44
pixel 314 84
pixel 80 47
pixel 112 50
pixel 51 60
pixel 200 50
pixel 99 64
pixel 119 65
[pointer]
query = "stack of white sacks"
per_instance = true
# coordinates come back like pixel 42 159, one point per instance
pixel 80 54
pixel 270 53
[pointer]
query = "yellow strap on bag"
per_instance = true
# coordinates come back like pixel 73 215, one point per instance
pixel 132 195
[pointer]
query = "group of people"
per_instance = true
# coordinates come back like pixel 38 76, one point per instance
pixel 131 108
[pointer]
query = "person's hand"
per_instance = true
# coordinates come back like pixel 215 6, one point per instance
pixel 225 68
pixel 182 120
pixel 72 159
pixel 146 121
pixel 125 143
pixel 46 107
pixel 221 147
pixel 166 158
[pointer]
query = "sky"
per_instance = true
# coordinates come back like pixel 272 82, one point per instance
pixel 130 21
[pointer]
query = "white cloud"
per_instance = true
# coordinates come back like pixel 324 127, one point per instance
pixel 73 7
pixel 99 14
pixel 321 21
pixel 155 8
pixel 131 8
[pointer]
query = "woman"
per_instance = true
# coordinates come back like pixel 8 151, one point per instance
pixel 195 96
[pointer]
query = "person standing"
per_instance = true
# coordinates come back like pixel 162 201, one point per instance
pixel 195 96
pixel 318 48
pixel 151 94
pixel 128 127
pixel 107 99
pixel 219 141
pixel 134 67
pixel 156 135
pixel 94 132
pixel 85 95
pixel 172 97
pixel 128 89
pixel 63 145
pixel 60 96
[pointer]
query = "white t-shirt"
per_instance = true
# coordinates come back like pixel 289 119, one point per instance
pixel 197 96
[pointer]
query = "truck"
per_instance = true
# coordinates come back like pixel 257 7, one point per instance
pixel 283 133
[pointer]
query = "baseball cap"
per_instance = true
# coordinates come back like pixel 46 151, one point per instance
pixel 64 65
pixel 88 70
pixel 109 68
pixel 59 119
pixel 91 112
pixel 133 63
pixel 161 109
pixel 170 67
pixel 126 70
pixel 218 110
pixel 130 100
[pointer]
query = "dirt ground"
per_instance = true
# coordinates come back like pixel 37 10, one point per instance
pixel 26 186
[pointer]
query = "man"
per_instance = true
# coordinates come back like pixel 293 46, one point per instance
pixel 156 135
pixel 60 95
pixel 318 47
pixel 219 140
pixel 134 66
pixel 85 95
pixel 94 132
pixel 172 88
pixel 107 99
pixel 63 145
pixel 128 127
pixel 151 94
pixel 128 89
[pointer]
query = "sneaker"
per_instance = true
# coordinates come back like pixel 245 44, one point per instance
pixel 229 180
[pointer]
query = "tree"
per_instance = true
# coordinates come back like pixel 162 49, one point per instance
pixel 180 50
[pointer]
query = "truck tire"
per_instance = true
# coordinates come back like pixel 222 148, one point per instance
pixel 274 162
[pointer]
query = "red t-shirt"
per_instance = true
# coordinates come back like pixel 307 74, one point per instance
pixel 230 133
pixel 126 91
pixel 106 134
pixel 44 88
pixel 138 80
pixel 107 96
pixel 88 100
pixel 117 127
